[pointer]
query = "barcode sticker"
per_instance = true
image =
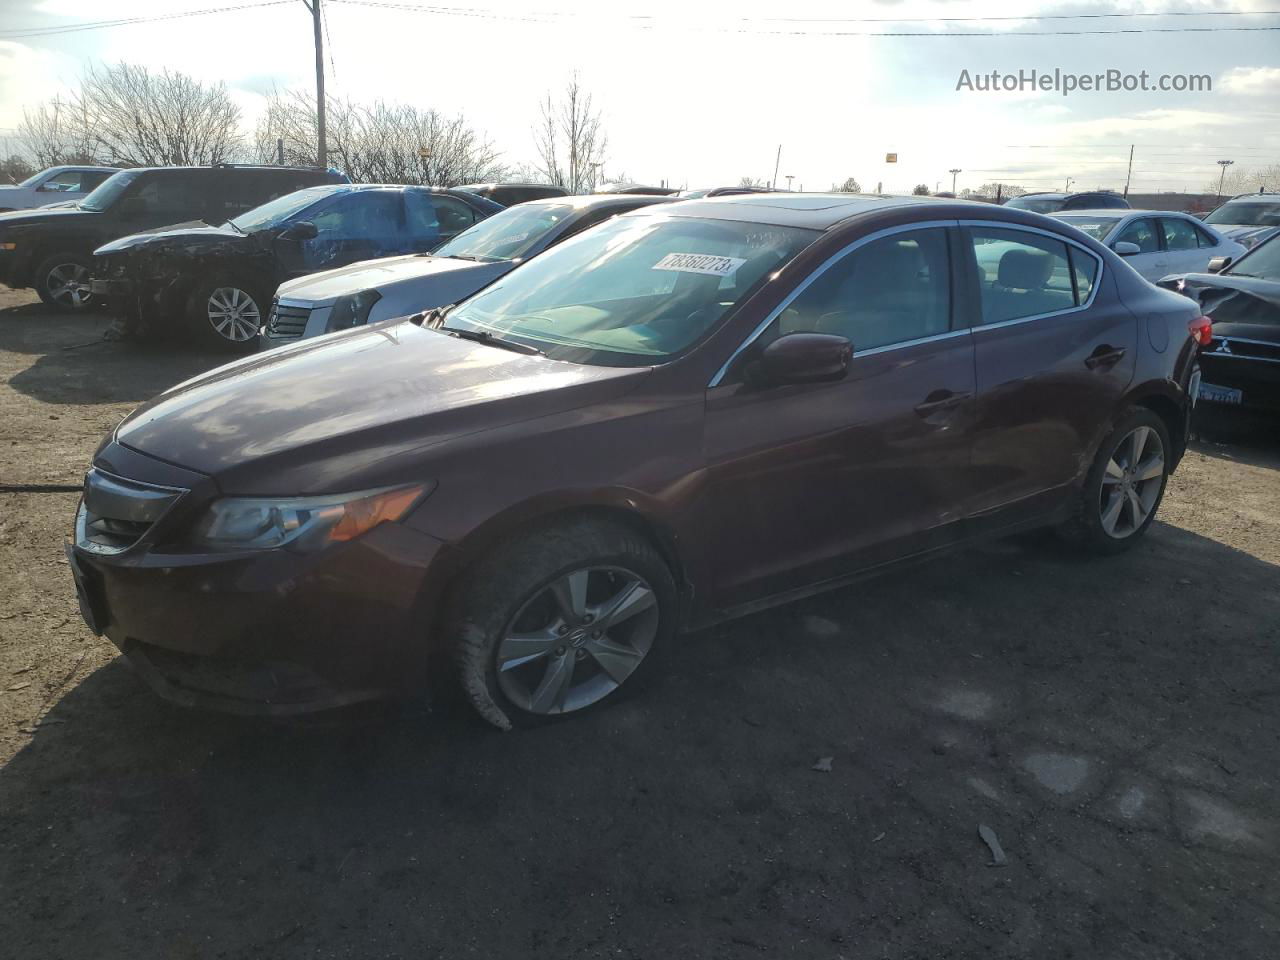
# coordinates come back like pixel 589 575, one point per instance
pixel 705 263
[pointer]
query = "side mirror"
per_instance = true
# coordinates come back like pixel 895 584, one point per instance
pixel 132 207
pixel 802 358
pixel 1218 264
pixel 1125 248
pixel 302 230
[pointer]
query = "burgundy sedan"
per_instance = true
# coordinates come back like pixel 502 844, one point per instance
pixel 689 412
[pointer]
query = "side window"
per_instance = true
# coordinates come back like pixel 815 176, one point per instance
pixel 171 195
pixel 363 215
pixel 891 290
pixel 1021 274
pixel 1142 232
pixel 1084 270
pixel 66 182
pixel 434 218
pixel 1203 237
pixel 91 179
pixel 1178 234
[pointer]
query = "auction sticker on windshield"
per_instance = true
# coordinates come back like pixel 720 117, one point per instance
pixel 706 263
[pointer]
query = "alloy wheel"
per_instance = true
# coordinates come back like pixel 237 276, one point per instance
pixel 68 285
pixel 233 314
pixel 1131 482
pixel 577 639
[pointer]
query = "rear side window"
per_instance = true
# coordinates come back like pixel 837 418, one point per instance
pixel 173 194
pixel 434 218
pixel 1178 234
pixel 68 181
pixel 90 179
pixel 1021 274
pixel 1202 235
pixel 892 290
pixel 1143 233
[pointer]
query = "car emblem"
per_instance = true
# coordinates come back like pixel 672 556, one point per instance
pixel 1224 346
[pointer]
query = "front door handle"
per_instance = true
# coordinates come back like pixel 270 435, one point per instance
pixel 940 400
pixel 1104 356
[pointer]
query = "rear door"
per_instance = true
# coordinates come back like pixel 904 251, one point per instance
pixel 361 225
pixel 809 481
pixel 1054 351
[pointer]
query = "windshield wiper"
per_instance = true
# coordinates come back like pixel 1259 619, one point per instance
pixel 487 338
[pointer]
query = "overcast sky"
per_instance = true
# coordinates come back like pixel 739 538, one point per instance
pixel 703 94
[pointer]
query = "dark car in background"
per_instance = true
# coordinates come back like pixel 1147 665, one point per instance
pixel 1249 218
pixel 1055 202
pixel 52 250
pixel 218 280
pixel 704 192
pixel 1241 364
pixel 375 290
pixel 509 194
pixel 691 411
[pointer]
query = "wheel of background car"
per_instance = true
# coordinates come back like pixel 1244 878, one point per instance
pixel 1125 485
pixel 62 281
pixel 561 619
pixel 225 315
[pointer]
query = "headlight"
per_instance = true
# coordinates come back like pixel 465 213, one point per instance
pixel 352 311
pixel 303 523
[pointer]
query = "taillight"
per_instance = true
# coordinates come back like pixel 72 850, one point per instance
pixel 1201 329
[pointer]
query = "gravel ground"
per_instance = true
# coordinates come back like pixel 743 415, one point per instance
pixel 1115 723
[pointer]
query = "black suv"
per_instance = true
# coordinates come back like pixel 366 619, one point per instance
pixel 1059 202
pixel 219 280
pixel 52 250
pixel 509 194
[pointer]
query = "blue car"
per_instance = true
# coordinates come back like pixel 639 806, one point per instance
pixel 216 282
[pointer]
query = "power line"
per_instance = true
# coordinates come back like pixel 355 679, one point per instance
pixel 29 32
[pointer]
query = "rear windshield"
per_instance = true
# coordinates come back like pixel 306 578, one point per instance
pixel 1247 214
pixel 1037 204
pixel 634 291
pixel 109 190
pixel 508 234
pixel 1096 227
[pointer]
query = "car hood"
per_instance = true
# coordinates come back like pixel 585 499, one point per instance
pixel 1240 231
pixel 354 410
pixel 31 218
pixel 366 274
pixel 194 235
pixel 1231 299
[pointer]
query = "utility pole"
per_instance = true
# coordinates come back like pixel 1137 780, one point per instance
pixel 773 185
pixel 1223 164
pixel 1128 176
pixel 790 177
pixel 322 150
pixel 954 171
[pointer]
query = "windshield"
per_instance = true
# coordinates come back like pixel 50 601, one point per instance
pixel 275 212
pixel 509 234
pixel 1037 204
pixel 1247 214
pixel 109 190
pixel 1096 227
pixel 632 292
pixel 1262 261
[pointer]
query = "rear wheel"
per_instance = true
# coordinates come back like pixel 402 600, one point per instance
pixel 1125 485
pixel 226 314
pixel 62 281
pixel 560 620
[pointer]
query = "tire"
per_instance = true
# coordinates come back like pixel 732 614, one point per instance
pixel 522 659
pixel 1111 521
pixel 225 313
pixel 62 281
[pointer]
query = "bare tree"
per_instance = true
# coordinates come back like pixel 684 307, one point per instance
pixel 851 185
pixel 751 182
pixel 128 116
pixel 1244 180
pixel 570 140
pixel 15 169
pixel 378 142
pixel 920 190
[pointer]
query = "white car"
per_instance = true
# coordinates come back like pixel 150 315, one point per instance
pixel 57 185
pixel 374 290
pixel 1156 243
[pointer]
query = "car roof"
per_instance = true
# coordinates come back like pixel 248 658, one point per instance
pixel 79 166
pixel 508 183
pixel 595 201
pixel 1121 212
pixel 815 211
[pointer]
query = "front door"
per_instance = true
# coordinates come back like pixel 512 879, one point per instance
pixel 809 482
pixel 1052 362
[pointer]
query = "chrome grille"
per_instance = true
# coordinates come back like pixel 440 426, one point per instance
pixel 1245 349
pixel 287 322
pixel 116 513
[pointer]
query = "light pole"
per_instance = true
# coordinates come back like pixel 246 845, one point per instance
pixel 1066 187
pixel 1222 179
pixel 789 177
pixel 954 171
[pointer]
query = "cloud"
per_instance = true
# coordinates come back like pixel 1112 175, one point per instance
pixel 1251 81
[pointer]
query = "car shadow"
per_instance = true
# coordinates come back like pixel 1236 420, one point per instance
pixel 686 819
pixel 74 364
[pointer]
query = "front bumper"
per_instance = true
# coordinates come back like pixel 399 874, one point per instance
pixel 272 631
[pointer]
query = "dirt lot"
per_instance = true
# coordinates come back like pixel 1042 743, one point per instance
pixel 1116 723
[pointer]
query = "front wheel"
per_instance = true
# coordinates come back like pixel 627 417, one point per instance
pixel 62 281
pixel 560 620
pixel 1125 485
pixel 226 314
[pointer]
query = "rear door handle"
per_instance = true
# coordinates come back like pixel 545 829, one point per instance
pixel 1104 356
pixel 940 400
